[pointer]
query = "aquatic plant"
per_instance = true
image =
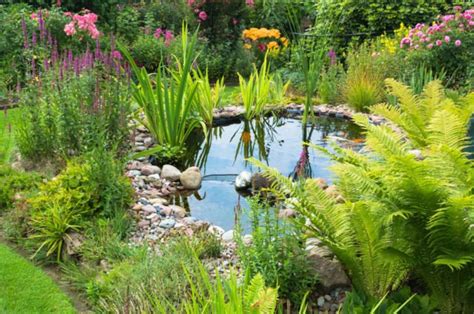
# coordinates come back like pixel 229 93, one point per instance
pixel 256 90
pixel 207 97
pixel 167 100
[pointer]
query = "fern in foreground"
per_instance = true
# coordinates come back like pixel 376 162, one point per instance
pixel 408 202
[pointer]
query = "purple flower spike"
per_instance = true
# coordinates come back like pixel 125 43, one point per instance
pixel 25 33
pixel 33 39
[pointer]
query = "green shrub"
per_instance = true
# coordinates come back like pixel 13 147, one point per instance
pixel 149 52
pixel 64 119
pixel 13 182
pixel 86 190
pixel 277 251
pixel 328 88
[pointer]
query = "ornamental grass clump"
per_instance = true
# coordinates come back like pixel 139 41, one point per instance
pixel 167 97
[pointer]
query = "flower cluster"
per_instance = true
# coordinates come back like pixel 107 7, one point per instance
pixel 85 22
pixel 167 35
pixel 264 39
pixel 442 32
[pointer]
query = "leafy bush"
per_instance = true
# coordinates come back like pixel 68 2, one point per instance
pixel 13 182
pixel 410 199
pixel 277 251
pixel 445 47
pixel 149 52
pixel 85 190
pixel 374 17
pixel 328 88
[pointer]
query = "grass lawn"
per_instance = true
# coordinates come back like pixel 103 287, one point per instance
pixel 6 133
pixel 25 288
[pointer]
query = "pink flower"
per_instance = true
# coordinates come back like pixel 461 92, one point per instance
pixel 457 43
pixel 262 47
pixel 68 14
pixel 190 2
pixel 439 42
pixel 447 18
pixel 250 3
pixel 202 16
pixel 447 39
pixel 116 55
pixel 168 37
pixel 429 46
pixel 471 23
pixel 70 29
pixel 457 8
pixel 158 33
pixel 34 16
pixel 235 21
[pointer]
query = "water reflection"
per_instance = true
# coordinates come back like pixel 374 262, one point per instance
pixel 279 142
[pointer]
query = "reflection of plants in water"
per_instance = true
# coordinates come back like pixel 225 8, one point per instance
pixel 303 166
pixel 327 126
pixel 263 131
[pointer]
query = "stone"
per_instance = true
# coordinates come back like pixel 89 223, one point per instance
pixel 167 223
pixel 143 201
pixel 259 182
pixel 228 236
pixel 150 169
pixel 137 207
pixel 133 173
pixel 321 301
pixel 189 220
pixel 140 148
pixel 319 251
pixel 191 178
pixel 153 217
pixel 243 180
pixel 73 242
pixel 178 211
pixel 330 273
pixel 170 173
pixel 134 165
pixel 417 153
pixel 158 201
pixel 165 211
pixel 149 209
pixel 328 298
pixel 216 230
pixel 148 141
pixel 286 213
pixel 144 223
pixel 319 182
pixel 247 239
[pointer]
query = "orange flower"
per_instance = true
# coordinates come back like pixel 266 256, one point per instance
pixel 284 41
pixel 273 45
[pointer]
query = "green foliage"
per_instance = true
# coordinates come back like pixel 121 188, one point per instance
pixel 207 97
pixel 61 120
pixel 27 289
pixel 421 76
pixel 13 182
pixel 364 80
pixel 85 190
pixel 167 101
pixel 340 19
pixel 127 23
pixel 277 252
pixel 425 198
pixel 278 90
pixel 329 86
pixel 255 91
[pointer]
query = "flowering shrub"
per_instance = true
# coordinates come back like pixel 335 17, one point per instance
pixel 445 46
pixel 167 35
pixel 85 23
pixel 445 31
pixel 264 39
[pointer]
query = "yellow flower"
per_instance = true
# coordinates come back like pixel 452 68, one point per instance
pixel 273 45
pixel 284 41
pixel 247 46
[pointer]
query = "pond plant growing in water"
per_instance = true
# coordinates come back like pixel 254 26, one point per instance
pixel 168 100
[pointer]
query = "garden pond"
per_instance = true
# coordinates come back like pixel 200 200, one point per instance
pixel 276 141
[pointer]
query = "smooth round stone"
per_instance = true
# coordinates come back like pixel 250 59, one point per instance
pixel 189 220
pixel 191 178
pixel 170 173
pixel 216 230
pixel 149 209
pixel 134 173
pixel 150 169
pixel 228 236
pixel 178 211
pixel 167 223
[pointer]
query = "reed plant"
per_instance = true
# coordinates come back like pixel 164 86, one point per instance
pixel 208 97
pixel 255 91
pixel 167 98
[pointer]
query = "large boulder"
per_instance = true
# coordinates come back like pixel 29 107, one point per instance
pixel 260 182
pixel 191 178
pixel 148 170
pixel 330 272
pixel 170 173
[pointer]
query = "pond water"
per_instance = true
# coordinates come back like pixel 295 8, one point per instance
pixel 275 141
